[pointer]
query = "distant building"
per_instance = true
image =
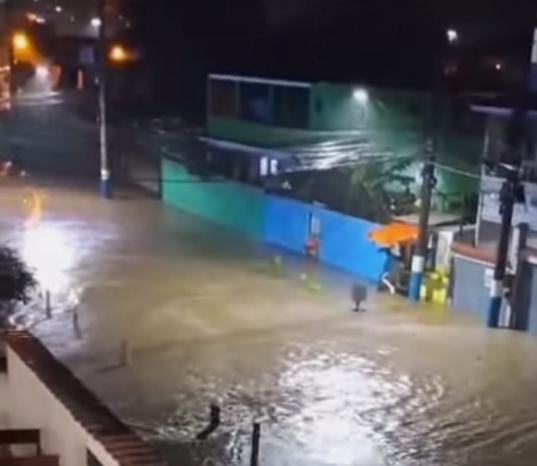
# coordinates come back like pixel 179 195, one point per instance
pixel 280 128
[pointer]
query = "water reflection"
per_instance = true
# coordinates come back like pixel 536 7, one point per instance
pixel 390 387
pixel 48 249
pixel 329 424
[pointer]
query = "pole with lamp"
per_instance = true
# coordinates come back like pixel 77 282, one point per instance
pixel 512 191
pixel 106 181
pixel 428 178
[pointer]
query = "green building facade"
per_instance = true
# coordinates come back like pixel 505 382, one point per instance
pixel 356 126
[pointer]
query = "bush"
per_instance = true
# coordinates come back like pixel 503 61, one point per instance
pixel 17 282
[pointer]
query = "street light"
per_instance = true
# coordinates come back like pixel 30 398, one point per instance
pixel 33 18
pixel 118 54
pixel 42 72
pixel 452 36
pixel 96 23
pixel 20 41
pixel 361 96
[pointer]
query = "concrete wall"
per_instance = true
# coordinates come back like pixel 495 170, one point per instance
pixel 32 405
pixel 344 240
pixel 221 201
pixel 471 287
pixel 283 222
pixel 4 418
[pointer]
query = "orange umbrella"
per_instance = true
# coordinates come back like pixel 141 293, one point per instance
pixel 394 234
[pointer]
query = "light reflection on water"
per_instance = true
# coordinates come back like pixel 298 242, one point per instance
pixel 50 252
pixel 331 392
pixel 394 386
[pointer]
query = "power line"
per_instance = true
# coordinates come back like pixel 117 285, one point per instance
pixel 457 171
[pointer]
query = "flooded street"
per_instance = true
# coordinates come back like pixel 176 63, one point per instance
pixel 208 318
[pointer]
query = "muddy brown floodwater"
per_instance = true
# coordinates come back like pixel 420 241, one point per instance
pixel 206 319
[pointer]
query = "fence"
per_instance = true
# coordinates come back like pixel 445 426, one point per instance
pixel 343 240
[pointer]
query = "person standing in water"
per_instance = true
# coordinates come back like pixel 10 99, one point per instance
pixel 358 295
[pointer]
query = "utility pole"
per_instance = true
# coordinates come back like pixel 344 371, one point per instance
pixel 507 206
pixel 422 247
pixel 106 182
pixel 511 193
pixel 429 181
pixel 533 69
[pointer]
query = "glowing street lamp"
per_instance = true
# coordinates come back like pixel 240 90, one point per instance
pixel 20 41
pixel 118 54
pixel 96 23
pixel 361 96
pixel 33 18
pixel 452 36
pixel 42 72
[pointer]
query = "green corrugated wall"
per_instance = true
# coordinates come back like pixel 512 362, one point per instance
pixel 224 202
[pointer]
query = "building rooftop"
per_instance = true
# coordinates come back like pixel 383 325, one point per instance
pixel 101 425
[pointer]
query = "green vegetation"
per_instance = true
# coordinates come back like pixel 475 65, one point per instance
pixel 17 282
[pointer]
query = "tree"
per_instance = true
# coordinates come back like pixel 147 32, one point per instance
pixel 372 194
pixel 17 282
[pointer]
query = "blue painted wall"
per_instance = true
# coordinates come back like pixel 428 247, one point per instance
pixel 286 223
pixel 344 240
pixel 345 244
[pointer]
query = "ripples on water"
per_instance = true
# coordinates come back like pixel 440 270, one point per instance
pixel 330 407
pixel 333 389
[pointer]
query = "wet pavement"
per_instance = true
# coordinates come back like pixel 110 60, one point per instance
pixel 209 318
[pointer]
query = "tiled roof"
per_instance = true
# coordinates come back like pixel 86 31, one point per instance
pixel 119 440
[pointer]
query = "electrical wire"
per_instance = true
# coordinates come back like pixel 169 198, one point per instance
pixel 457 171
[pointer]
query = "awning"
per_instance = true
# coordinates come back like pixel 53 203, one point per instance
pixel 394 234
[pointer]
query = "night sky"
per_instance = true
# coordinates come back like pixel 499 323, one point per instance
pixel 380 42
pixel 475 17
pixel 70 17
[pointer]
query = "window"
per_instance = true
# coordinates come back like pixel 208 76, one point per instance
pixel 223 98
pixel 264 166
pixel 297 107
pixel 255 102
pixel 274 167
pixel 280 106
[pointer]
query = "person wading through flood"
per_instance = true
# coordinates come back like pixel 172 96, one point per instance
pixel 359 295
